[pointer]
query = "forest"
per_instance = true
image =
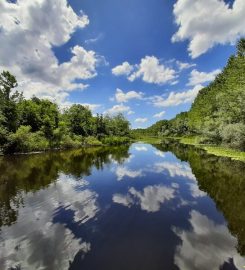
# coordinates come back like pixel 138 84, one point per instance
pixel 217 115
pixel 39 124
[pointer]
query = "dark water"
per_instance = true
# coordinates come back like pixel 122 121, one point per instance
pixel 127 208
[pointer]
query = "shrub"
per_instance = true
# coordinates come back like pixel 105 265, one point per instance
pixel 234 135
pixel 113 140
pixel 24 141
pixel 71 142
pixel 92 141
pixel 3 136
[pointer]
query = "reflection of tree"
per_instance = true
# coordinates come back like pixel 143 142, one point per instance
pixel 20 174
pixel 224 181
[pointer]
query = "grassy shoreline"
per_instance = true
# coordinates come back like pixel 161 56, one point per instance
pixel 221 151
pixel 216 150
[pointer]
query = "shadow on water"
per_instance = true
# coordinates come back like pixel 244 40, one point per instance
pixel 138 207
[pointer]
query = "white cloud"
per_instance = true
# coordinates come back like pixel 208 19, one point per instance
pixel 119 109
pixel 159 153
pixel 150 199
pixel 152 71
pixel 123 69
pixel 124 200
pixel 141 148
pixel 94 40
pixel 197 77
pixel 206 245
pixel 153 196
pixel 121 96
pixel 206 23
pixel 121 172
pixel 29 30
pixel 174 169
pixel 91 106
pixel 183 65
pixel 141 120
pixel 177 98
pixel 195 191
pixel 159 115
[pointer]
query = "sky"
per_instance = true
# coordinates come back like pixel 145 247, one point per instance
pixel 147 59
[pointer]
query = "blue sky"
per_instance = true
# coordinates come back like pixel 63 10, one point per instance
pixel 170 50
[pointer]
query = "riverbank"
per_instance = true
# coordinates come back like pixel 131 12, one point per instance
pixel 85 143
pixel 216 150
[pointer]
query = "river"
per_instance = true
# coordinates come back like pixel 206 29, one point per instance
pixel 134 207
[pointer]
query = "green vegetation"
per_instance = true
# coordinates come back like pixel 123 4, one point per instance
pixel 217 116
pixel 39 125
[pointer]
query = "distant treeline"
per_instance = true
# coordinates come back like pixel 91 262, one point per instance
pixel 38 124
pixel 217 115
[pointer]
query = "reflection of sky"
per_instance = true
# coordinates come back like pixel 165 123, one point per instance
pixel 206 245
pixel 35 242
pixel 150 199
pixel 148 186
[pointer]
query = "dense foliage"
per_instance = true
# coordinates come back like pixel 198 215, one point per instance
pixel 38 124
pixel 218 113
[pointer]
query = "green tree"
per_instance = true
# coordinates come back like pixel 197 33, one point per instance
pixel 8 101
pixel 241 47
pixel 79 120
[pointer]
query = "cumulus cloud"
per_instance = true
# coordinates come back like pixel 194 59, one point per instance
pixel 206 244
pixel 29 30
pixel 177 98
pixel 197 77
pixel 150 70
pixel 206 23
pixel 141 120
pixel 159 115
pixel 123 69
pixel 121 96
pixel 120 108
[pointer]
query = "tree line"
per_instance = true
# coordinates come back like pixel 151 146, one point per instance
pixel 39 124
pixel 217 116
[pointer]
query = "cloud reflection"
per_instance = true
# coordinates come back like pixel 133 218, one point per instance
pixel 150 199
pixel 122 172
pixel 207 246
pixel 141 148
pixel 174 169
pixel 34 241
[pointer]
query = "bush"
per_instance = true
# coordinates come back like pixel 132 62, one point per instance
pixel 3 136
pixel 92 141
pixel 70 142
pixel 24 141
pixel 234 135
pixel 113 140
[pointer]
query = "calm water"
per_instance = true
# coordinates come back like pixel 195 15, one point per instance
pixel 127 208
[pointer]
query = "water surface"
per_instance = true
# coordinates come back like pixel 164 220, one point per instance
pixel 134 207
